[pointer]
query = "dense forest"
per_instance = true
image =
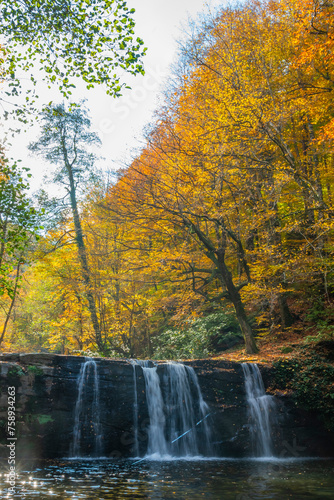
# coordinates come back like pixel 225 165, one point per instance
pixel 220 231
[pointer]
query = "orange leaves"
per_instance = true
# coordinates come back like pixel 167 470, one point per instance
pixel 238 158
pixel 313 43
pixel 326 135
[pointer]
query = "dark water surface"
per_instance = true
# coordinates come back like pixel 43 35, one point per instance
pixel 173 479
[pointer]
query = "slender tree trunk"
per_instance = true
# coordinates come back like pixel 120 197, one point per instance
pixel 18 267
pixel 235 297
pixel 83 257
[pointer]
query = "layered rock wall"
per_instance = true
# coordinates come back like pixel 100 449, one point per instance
pixel 46 391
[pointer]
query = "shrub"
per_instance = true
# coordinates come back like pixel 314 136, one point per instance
pixel 34 370
pixel 311 380
pixel 198 337
pixel 15 372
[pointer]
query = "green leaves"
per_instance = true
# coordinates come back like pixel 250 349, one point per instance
pixel 197 337
pixel 89 38
pixel 66 140
pixel 19 223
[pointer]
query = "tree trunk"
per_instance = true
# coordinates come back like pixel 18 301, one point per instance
pixel 286 316
pixel 217 256
pixel 18 267
pixel 235 297
pixel 83 259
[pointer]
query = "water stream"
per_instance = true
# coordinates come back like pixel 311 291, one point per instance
pixel 157 444
pixel 136 363
pixel 87 430
pixel 178 414
pixel 261 411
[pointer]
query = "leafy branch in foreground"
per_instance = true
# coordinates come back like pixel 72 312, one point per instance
pixel 88 39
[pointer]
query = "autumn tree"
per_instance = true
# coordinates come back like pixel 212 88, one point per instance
pixel 234 160
pixel 130 292
pixel 231 198
pixel 52 312
pixel 166 193
pixel 65 141
pixel 93 41
pixel 250 85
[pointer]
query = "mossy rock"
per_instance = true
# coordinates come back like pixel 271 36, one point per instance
pixel 40 418
pixel 15 372
pixel 43 419
pixel 286 350
pixel 35 370
pixel 311 380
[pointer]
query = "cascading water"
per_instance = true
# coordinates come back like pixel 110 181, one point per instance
pixel 178 414
pixel 261 410
pixel 203 412
pixel 135 363
pixel 135 409
pixel 157 443
pixel 87 430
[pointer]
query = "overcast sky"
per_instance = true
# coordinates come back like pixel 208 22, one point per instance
pixel 119 122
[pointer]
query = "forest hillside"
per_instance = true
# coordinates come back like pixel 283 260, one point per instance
pixel 218 237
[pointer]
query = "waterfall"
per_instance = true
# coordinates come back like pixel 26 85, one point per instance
pixel 87 430
pixel 178 414
pixel 204 411
pixel 135 363
pixel 157 443
pixel 135 409
pixel 261 411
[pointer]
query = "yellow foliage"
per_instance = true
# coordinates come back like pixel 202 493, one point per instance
pixel 232 196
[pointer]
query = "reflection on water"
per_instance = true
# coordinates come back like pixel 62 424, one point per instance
pixel 178 479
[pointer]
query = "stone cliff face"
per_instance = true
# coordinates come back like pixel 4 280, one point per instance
pixel 46 392
pixel 296 433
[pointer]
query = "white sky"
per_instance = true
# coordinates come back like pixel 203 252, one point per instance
pixel 119 122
